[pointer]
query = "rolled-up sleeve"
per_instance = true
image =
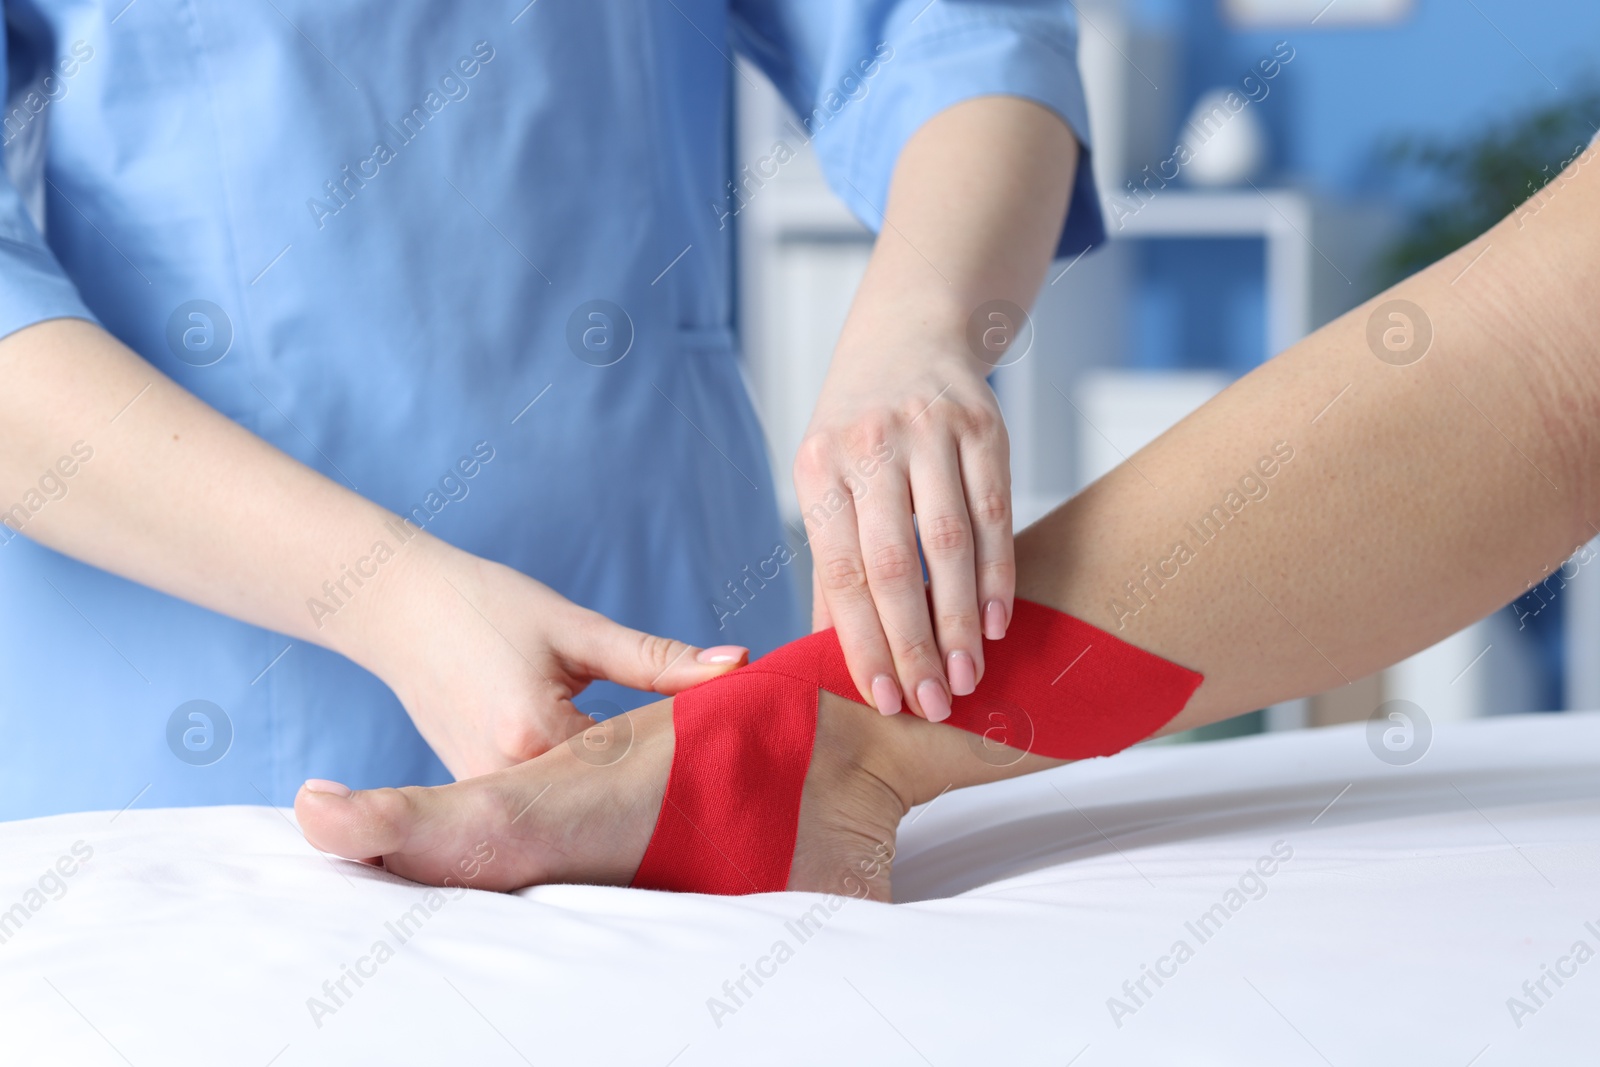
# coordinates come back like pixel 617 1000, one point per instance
pixel 33 287
pixel 863 75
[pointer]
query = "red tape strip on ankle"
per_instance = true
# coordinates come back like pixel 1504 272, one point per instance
pixel 1056 686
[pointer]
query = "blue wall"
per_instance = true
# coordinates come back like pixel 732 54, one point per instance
pixel 1440 72
pixel 1442 69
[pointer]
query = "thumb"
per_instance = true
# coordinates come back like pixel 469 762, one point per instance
pixel 644 661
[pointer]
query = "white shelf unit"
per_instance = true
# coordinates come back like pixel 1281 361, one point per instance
pixel 1283 219
pixel 1075 335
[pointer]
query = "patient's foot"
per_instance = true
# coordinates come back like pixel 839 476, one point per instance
pixel 584 813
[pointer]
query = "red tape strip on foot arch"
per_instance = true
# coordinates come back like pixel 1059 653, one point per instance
pixel 1056 685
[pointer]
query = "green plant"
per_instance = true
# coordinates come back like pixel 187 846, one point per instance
pixel 1482 178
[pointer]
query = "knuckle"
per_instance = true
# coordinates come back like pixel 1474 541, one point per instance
pixel 841 574
pixel 998 569
pixel 982 420
pixel 916 653
pixel 518 739
pixel 656 652
pixel 813 458
pixel 992 508
pixel 866 436
pixel 894 563
pixel 996 577
pixel 915 407
pixel 956 623
pixel 945 535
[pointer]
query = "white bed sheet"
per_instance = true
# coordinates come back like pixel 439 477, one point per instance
pixel 1416 902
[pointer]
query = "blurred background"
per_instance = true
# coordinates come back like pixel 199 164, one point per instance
pixel 1390 133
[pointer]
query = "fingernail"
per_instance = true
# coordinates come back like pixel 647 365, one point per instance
pixel 322 785
pixel 721 654
pixel 886 695
pixel 963 673
pixel 994 620
pixel 935 705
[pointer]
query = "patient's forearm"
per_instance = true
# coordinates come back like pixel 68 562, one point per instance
pixel 1419 497
pixel 1414 500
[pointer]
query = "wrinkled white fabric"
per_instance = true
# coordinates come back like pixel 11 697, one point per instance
pixel 1414 903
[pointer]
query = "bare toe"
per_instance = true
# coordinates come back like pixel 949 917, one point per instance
pixel 440 836
pixel 574 816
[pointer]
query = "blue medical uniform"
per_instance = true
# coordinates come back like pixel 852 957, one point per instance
pixel 405 241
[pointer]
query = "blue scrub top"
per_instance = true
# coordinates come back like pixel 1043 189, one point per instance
pixel 400 242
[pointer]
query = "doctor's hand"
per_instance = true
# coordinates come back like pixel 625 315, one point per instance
pixel 907 426
pixel 907 443
pixel 487 661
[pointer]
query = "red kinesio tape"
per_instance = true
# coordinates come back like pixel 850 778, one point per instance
pixel 1056 686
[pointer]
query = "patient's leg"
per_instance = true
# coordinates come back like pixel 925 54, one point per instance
pixel 584 814
pixel 771 785
pixel 1329 514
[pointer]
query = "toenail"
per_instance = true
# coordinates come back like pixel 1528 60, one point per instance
pixel 935 705
pixel 322 785
pixel 963 673
pixel 886 695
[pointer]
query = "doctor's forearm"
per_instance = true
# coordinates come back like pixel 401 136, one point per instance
pixel 113 464
pixel 974 214
pixel 168 492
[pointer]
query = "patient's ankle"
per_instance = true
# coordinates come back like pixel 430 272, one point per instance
pixel 918 760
